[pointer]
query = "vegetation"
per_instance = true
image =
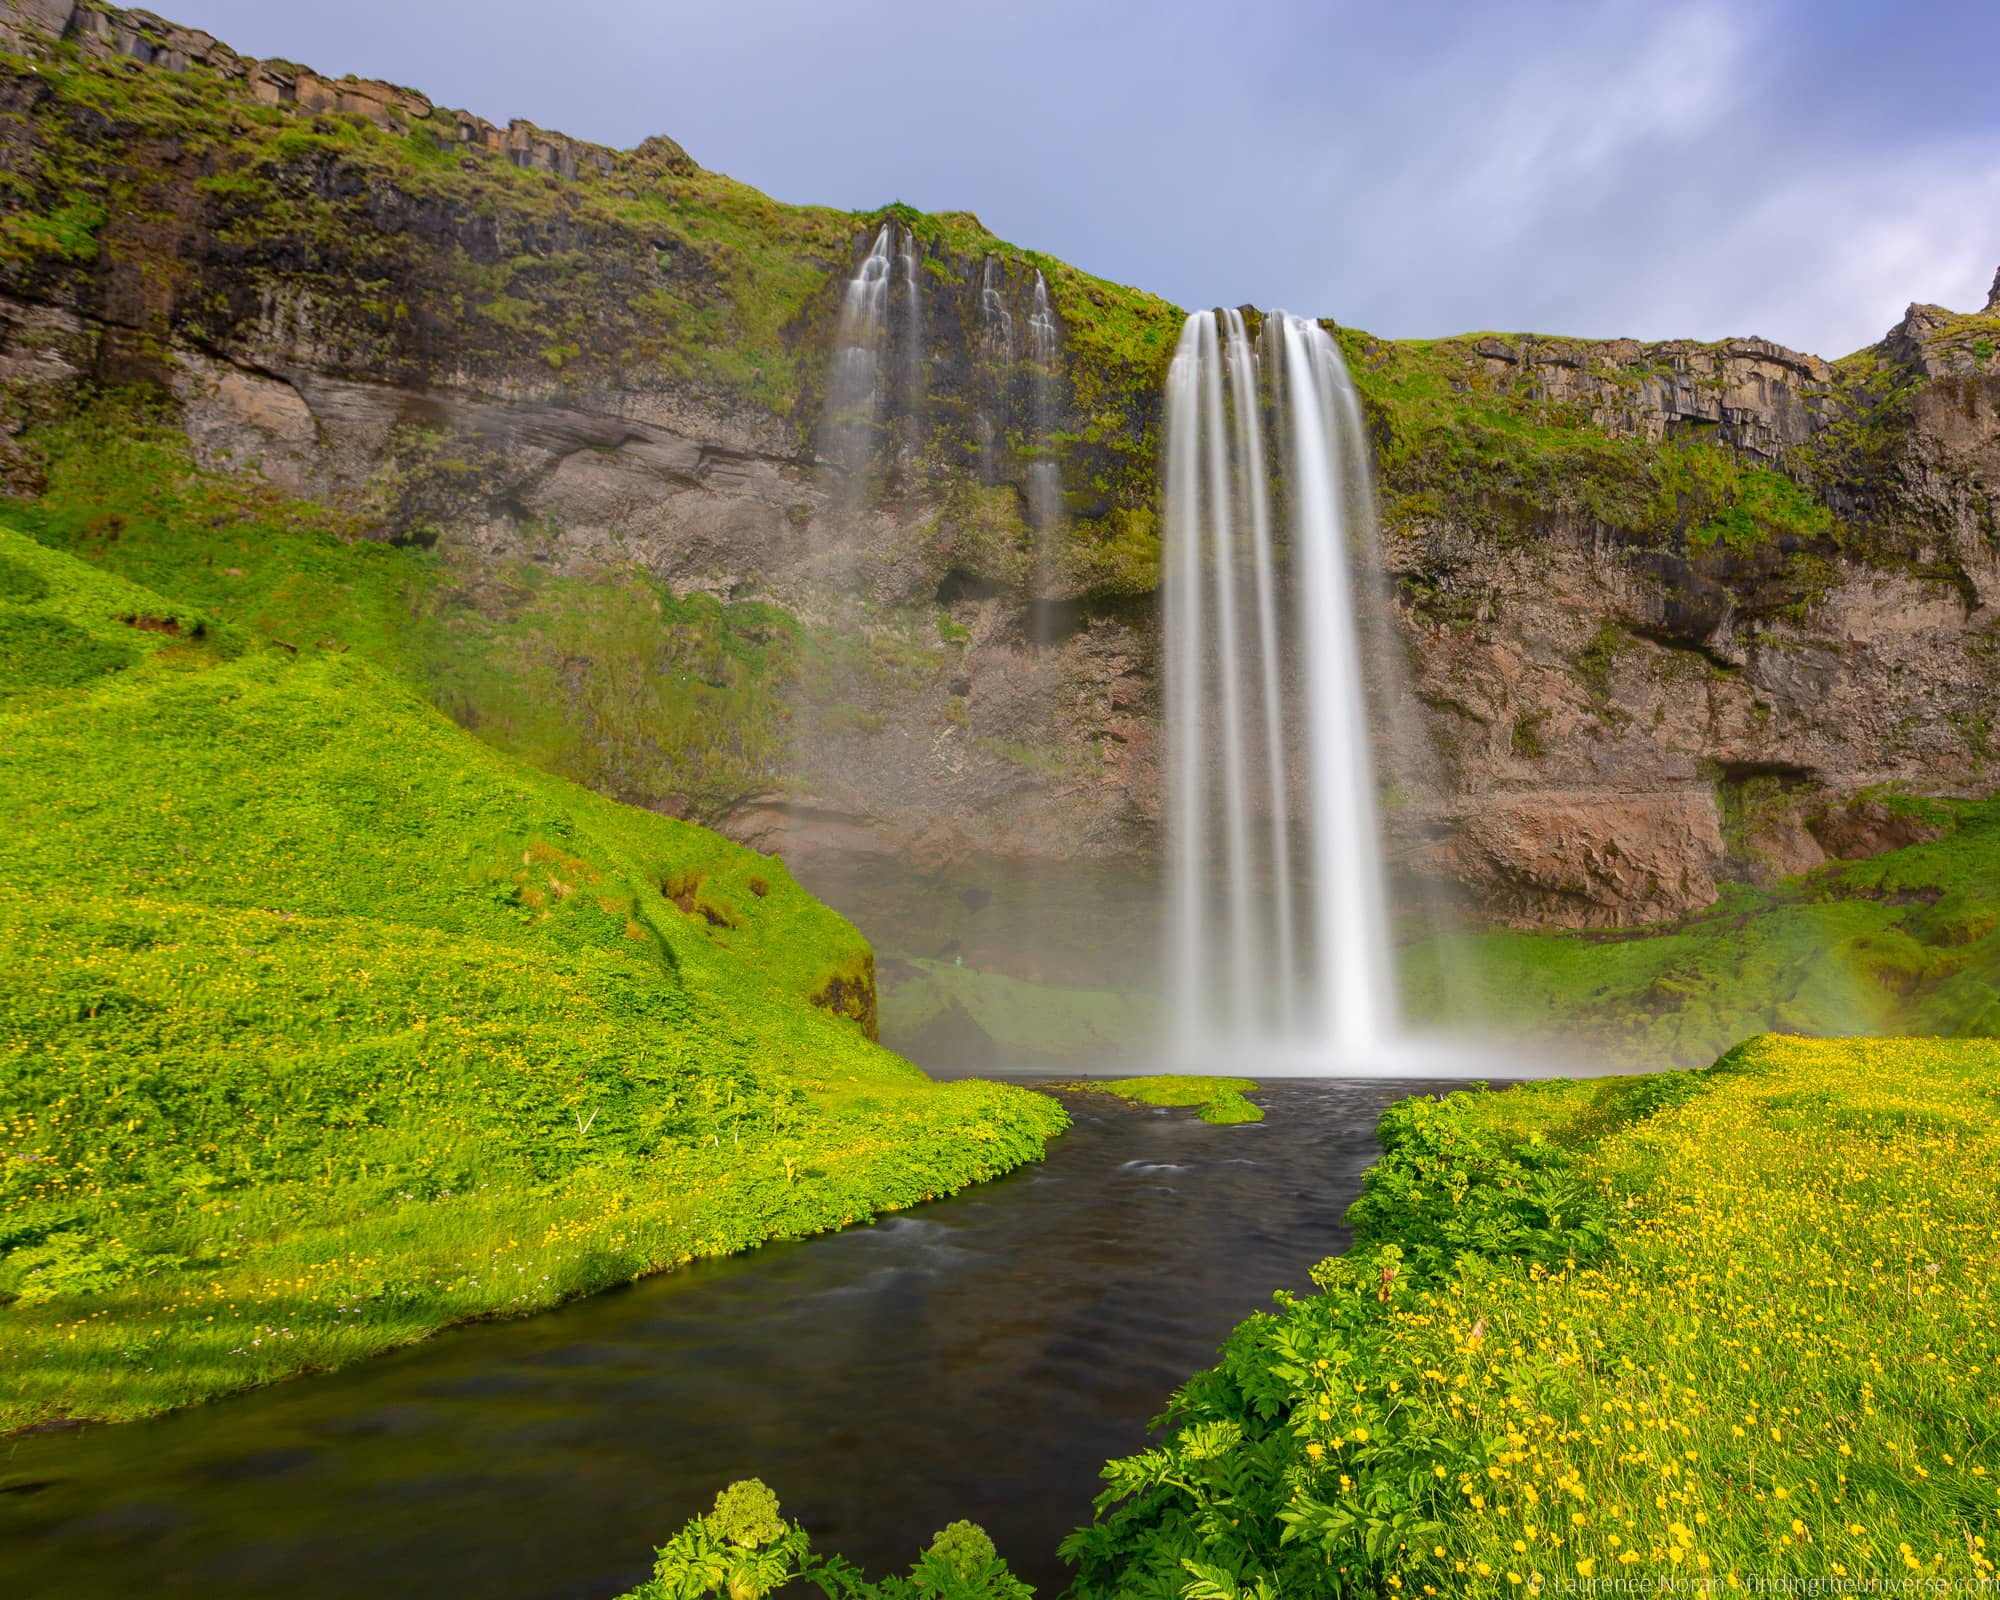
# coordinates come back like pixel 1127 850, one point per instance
pixel 1495 453
pixel 744 1549
pixel 1906 942
pixel 1734 1325
pixel 642 262
pixel 631 261
pixel 606 677
pixel 1733 1328
pixel 1221 1099
pixel 359 1027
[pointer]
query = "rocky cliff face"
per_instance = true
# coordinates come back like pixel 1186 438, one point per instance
pixel 1667 609
pixel 1632 696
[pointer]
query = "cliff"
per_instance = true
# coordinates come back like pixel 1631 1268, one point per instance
pixel 1670 610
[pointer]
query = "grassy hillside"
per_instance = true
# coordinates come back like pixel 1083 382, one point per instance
pixel 606 678
pixel 325 1024
pixel 1907 942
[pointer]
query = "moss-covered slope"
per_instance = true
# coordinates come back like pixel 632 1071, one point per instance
pixel 1904 942
pixel 326 1024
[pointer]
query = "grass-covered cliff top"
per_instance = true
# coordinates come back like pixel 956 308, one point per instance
pixel 617 259
pixel 327 1024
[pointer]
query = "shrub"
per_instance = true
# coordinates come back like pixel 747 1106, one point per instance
pixel 744 1549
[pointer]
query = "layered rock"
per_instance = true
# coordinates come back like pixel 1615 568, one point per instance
pixel 1665 608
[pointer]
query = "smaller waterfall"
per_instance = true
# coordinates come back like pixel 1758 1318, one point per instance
pixel 1044 476
pixel 998 319
pixel 853 393
pixel 1042 326
pixel 1279 950
pixel 913 375
pixel 996 410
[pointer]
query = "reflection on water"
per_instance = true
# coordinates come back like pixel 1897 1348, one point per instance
pixel 979 1358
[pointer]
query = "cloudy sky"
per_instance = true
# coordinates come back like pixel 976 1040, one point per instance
pixel 1800 169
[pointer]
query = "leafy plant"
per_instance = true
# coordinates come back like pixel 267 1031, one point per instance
pixel 744 1549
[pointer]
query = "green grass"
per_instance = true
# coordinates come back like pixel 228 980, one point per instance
pixel 327 1025
pixel 1735 1326
pixel 1221 1099
pixel 1495 455
pixel 604 677
pixel 1907 942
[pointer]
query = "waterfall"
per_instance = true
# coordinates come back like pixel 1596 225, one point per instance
pixel 913 375
pixel 1044 477
pixel 1267 722
pixel 998 319
pixel 853 392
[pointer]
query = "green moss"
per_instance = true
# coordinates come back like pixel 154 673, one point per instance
pixel 1494 455
pixel 1024 756
pixel 1221 1099
pixel 68 233
pixel 605 677
pixel 357 1016
pixel 1742 508
pixel 1526 736
pixel 1595 664
pixel 1906 942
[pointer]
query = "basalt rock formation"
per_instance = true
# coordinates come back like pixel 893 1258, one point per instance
pixel 1670 612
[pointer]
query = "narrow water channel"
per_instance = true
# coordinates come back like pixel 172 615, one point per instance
pixel 980 1358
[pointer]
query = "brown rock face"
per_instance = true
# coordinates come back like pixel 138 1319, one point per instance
pixel 1596 725
pixel 1864 828
pixel 1590 863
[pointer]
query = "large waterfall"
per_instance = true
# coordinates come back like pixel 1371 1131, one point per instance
pixel 1278 922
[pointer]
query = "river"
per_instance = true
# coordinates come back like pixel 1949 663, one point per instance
pixel 980 1357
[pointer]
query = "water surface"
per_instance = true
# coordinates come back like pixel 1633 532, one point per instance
pixel 980 1357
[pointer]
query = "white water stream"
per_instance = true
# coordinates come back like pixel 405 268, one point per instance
pixel 1278 921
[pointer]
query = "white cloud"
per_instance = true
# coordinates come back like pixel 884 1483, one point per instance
pixel 1854 247
pixel 1585 104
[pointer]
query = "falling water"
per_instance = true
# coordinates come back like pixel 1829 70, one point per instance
pixel 1044 478
pixel 1266 713
pixel 853 395
pixel 996 409
pixel 910 258
pixel 998 319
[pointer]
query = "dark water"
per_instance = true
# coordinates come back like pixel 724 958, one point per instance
pixel 980 1357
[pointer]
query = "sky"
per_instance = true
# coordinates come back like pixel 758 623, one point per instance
pixel 1797 169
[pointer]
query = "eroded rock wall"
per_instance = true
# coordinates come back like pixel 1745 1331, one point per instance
pixel 1719 592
